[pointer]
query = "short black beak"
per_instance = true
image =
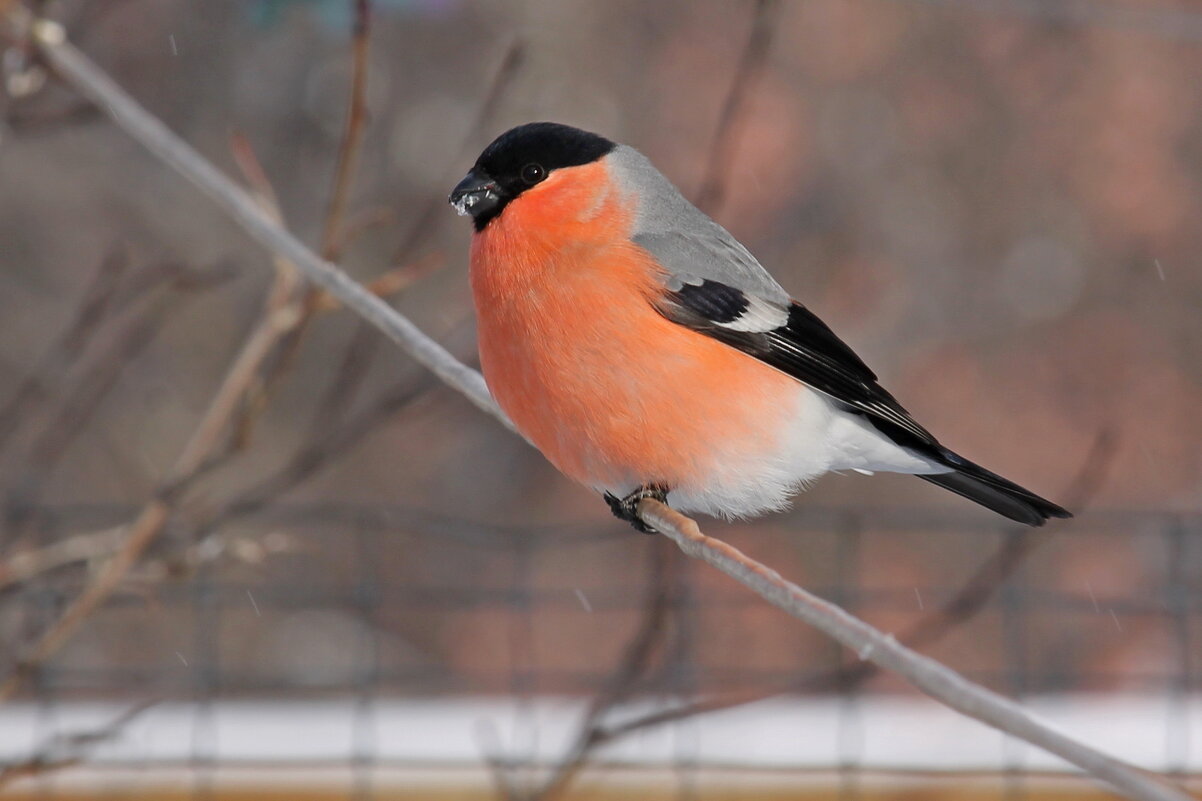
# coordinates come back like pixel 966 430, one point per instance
pixel 476 195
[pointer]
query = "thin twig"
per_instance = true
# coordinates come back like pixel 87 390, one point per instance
pixel 928 675
pixel 426 222
pixel 333 235
pixel 278 317
pixel 352 135
pixel 155 514
pixel 23 566
pixel 620 685
pixel 314 456
pixel 357 355
pixel 91 312
pixel 159 289
pixel 726 134
pixel 89 80
pixel 283 299
pixel 65 750
pixel 82 401
pixel 364 342
pixel 96 546
pixel 301 308
pixel 307 305
pixel 392 282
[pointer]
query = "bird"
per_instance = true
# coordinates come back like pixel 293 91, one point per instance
pixel 647 354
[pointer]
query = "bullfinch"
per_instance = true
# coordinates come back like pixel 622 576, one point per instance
pixel 647 353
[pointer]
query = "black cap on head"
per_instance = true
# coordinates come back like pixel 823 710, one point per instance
pixel 517 160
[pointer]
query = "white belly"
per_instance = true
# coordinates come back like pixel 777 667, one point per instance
pixel 821 438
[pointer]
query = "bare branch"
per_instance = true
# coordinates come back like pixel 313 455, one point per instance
pixel 65 750
pixel 278 316
pixel 965 603
pixel 93 308
pixel 392 282
pixel 314 456
pixel 80 402
pixel 622 682
pixel 333 235
pixel 504 74
pixel 88 79
pixel 747 73
pixel 21 567
pixel 931 677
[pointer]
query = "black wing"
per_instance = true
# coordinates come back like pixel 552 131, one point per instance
pixel 803 347
pixel 796 342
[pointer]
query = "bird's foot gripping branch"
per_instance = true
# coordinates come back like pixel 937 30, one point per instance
pixel 627 508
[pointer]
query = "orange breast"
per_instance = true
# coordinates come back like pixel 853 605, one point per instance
pixel 610 391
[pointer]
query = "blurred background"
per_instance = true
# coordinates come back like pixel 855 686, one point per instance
pixel 359 585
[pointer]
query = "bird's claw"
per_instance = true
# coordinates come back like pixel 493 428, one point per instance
pixel 627 508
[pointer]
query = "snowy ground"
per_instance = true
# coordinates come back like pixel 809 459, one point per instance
pixel 441 741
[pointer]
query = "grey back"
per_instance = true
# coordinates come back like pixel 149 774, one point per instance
pixel 684 239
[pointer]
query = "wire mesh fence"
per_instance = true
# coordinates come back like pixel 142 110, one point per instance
pixel 402 641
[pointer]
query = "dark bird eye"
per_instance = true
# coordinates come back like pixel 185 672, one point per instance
pixel 533 173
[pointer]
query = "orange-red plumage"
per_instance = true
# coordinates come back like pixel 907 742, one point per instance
pixel 612 392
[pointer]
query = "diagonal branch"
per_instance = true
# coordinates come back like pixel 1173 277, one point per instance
pixel 65 750
pixel 83 396
pixel 963 605
pixel 89 80
pixel 39 385
pixel 928 675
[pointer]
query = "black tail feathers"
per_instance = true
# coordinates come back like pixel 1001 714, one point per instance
pixel 993 492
